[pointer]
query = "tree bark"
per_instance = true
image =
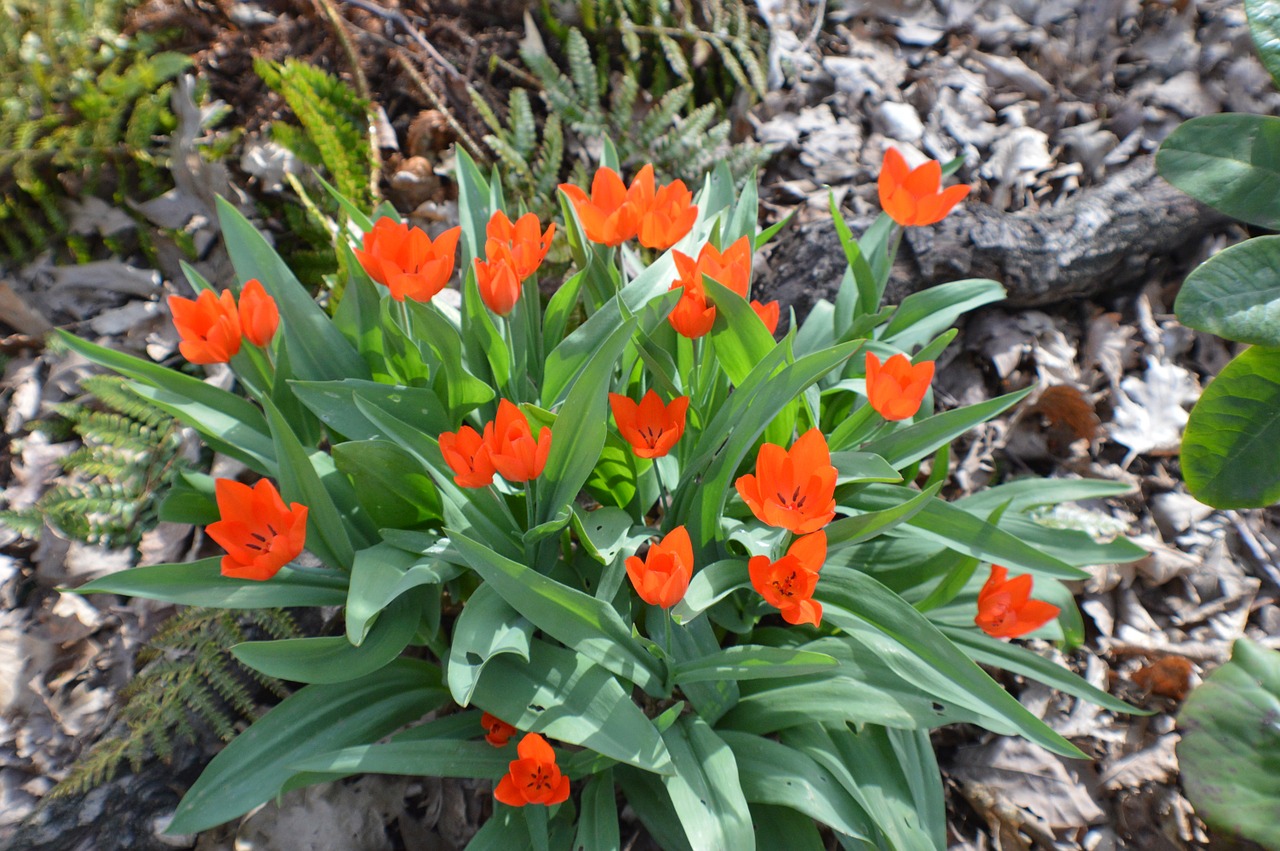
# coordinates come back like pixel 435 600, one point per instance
pixel 1102 239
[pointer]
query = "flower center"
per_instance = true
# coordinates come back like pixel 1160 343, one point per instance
pixel 783 585
pixel 796 502
pixel 651 435
pixel 540 779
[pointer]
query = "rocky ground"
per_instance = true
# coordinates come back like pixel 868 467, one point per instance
pixel 1058 108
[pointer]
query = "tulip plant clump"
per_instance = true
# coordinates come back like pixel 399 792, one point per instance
pixel 679 563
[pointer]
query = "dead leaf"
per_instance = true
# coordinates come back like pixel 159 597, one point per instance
pixel 1169 676
pixel 1150 411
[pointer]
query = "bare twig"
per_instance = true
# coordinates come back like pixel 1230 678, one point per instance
pixel 397 17
pixel 463 136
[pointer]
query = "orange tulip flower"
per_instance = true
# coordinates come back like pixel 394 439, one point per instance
pixel 611 215
pixel 915 196
pixel 498 281
pixel 651 427
pixel 794 489
pixel 663 577
pixel 667 214
pixel 497 731
pixel 259 534
pixel 768 313
pixel 534 778
pixel 896 389
pixel 468 455
pixel 407 261
pixel 788 583
pixel 209 326
pixel 526 243
pixel 692 317
pixel 515 454
pixel 1005 607
pixel 259 315
pixel 731 269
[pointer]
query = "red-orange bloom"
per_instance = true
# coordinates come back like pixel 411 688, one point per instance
pixel 525 241
pixel 915 196
pixel 468 455
pixel 497 731
pixel 788 583
pixel 534 778
pixel 513 252
pixel 896 389
pixel 651 427
pixel 515 454
pixel 407 261
pixel 209 326
pixel 768 313
pixel 259 316
pixel 663 577
pixel 731 269
pixel 1005 607
pixel 692 316
pixel 794 489
pixel 259 534
pixel 611 215
pixel 667 214
pixel 498 282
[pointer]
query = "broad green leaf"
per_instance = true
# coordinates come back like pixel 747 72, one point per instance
pixel 605 532
pixel 783 827
pixel 300 481
pixel 473 207
pixel 648 798
pixel 709 586
pixel 462 392
pixel 487 629
pixel 864 526
pixel 227 422
pixel 921 439
pixel 772 773
pixel 1264 25
pixel 1229 456
pixel 863 467
pixel 382 573
pixel 858 294
pixel 579 433
pixel 925 314
pixel 739 337
pixel 1032 491
pixel 705 790
pixel 201 583
pixel 505 830
pixel 429 758
pixel 1229 749
pixel 334 659
pixel 191 499
pixel 315 719
pixel 598 819
pixel 710 698
pixel 479 510
pixel 354 213
pixel 995 653
pixel 333 403
pixel 587 625
pixel 1236 293
pixel 953 527
pixel 863 690
pixel 566 696
pixel 849 596
pixel 390 486
pixel 743 418
pixel 752 662
pixel 868 763
pixel 1230 162
pixel 317 349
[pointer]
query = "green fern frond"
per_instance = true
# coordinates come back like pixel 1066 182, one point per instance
pixel 187 682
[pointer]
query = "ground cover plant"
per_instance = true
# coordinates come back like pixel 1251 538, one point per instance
pixel 741 602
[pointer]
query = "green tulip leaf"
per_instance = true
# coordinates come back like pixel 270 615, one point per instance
pixel 1264 25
